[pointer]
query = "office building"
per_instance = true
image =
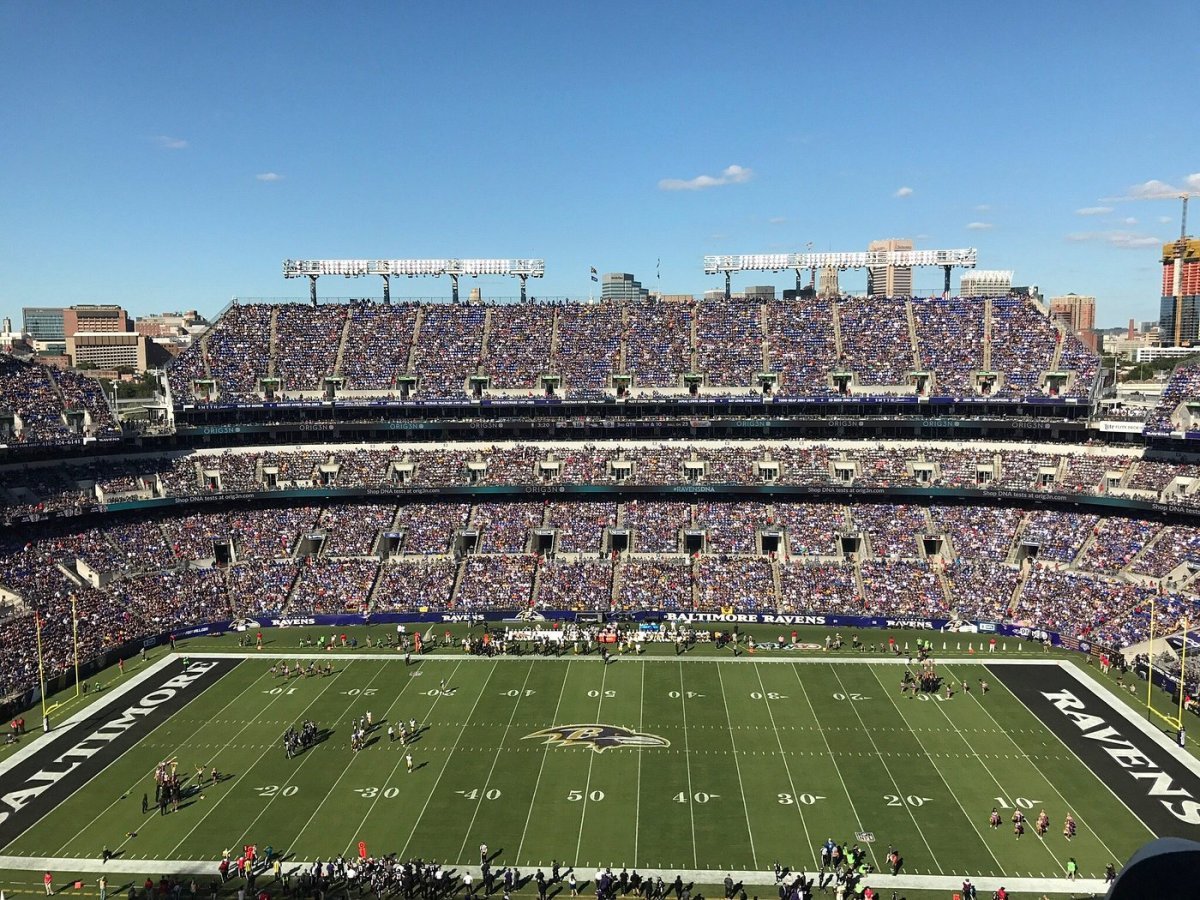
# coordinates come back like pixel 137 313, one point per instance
pixel 827 286
pixel 95 318
pixel 1074 312
pixel 108 350
pixel 44 323
pixel 890 281
pixel 985 283
pixel 622 286
pixel 1182 276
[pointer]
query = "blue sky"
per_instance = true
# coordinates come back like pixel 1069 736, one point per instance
pixel 168 155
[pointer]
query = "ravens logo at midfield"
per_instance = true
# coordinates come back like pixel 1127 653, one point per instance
pixel 598 737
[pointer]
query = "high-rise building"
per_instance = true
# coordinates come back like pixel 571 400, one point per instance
pixel 1182 275
pixel 1077 313
pixel 890 281
pixel 985 283
pixel 44 323
pixel 828 284
pixel 622 286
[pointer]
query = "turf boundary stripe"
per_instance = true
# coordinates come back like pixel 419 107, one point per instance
pixel 744 659
pixel 208 868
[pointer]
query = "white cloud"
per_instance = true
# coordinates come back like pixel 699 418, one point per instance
pixel 1163 220
pixel 729 175
pixel 1094 211
pixel 983 207
pixel 903 192
pixel 269 176
pixel 1124 239
pixel 170 143
pixel 980 226
pixel 1129 220
pixel 1154 189
pixel 777 220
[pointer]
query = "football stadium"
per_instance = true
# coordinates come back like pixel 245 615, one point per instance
pixel 858 595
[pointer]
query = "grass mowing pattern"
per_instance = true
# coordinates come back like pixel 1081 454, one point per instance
pixel 765 761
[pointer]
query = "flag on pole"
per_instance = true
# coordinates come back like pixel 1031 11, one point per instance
pixel 595 274
pixel 658 269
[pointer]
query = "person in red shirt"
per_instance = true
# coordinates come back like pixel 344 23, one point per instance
pixel 48 880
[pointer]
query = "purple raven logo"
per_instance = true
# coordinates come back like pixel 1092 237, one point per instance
pixel 598 737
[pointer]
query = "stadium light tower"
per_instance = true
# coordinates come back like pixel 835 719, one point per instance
pixel 312 269
pixel 865 259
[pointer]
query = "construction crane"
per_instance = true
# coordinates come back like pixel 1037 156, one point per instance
pixel 1177 275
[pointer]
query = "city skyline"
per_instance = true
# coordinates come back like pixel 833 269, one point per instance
pixel 159 172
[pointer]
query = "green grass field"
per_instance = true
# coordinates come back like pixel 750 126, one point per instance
pixel 760 761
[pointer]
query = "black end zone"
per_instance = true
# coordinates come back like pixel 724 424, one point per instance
pixel 41 781
pixel 1159 789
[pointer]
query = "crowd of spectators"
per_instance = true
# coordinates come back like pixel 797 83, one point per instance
pixel 725 340
pixel 1115 542
pixel 158 572
pixel 1184 384
pixel 447 350
pixel 801 346
pixel 37 406
pixel 307 339
pixel 589 348
pixel 1023 341
pixel 578 584
pixel 377 345
pixel 950 343
pixel 729 342
pixel 876 345
pixel 658 343
pixel 518 345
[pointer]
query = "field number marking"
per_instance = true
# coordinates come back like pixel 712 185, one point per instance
pixel 366 692
pixel 769 695
pixel 475 794
pixel 528 692
pixel 852 696
pixel 271 790
pixel 927 697
pixel 911 800
pixel 806 799
pixel 607 694
pixel 691 695
pixel 1023 802
pixel 279 690
pixel 594 796
pixel 370 792
pixel 699 797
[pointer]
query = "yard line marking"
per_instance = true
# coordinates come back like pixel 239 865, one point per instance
pixel 395 768
pixel 238 779
pixel 587 785
pixel 836 767
pixel 499 749
pixel 687 758
pixel 542 768
pixel 738 766
pixel 1022 752
pixel 446 764
pixel 133 787
pixel 886 768
pixel 938 769
pixel 786 767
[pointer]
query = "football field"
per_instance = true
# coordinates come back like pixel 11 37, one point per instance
pixel 656 762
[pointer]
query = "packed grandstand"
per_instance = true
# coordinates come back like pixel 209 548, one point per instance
pixel 142 534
